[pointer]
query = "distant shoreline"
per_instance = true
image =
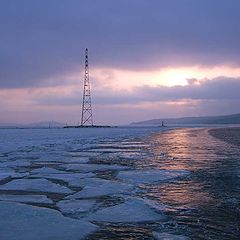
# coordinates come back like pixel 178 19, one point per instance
pixel 230 135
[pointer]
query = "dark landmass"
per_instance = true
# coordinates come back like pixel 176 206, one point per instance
pixel 50 124
pixel 226 119
pixel 229 135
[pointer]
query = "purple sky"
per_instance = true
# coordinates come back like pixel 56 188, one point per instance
pixel 148 59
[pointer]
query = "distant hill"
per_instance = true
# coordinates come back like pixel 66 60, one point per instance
pixel 226 119
pixel 51 124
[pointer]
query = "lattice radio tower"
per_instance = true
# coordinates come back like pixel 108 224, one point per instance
pixel 87 118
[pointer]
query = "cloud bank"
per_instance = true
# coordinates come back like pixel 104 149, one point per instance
pixel 46 39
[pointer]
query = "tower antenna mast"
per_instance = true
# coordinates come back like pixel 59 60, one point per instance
pixel 87 118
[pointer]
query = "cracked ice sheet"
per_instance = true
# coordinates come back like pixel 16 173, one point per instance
pixel 75 206
pixel 133 210
pixel 52 173
pixel 62 159
pixel 109 188
pixel 87 182
pixel 93 167
pixel 111 150
pixel 150 176
pixel 83 154
pixel 168 236
pixel 46 170
pixel 122 146
pixel 4 176
pixel 25 222
pixel 26 198
pixel 66 177
pixel 15 164
pixel 7 172
pixel 35 185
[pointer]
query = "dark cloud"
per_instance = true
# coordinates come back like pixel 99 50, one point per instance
pixel 41 39
pixel 220 88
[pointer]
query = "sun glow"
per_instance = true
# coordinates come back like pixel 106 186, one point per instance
pixel 125 79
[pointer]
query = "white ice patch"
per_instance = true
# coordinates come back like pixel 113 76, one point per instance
pixel 25 222
pixel 35 185
pixel 92 167
pixel 75 206
pixel 26 198
pixel 104 189
pixel 150 176
pixel 168 236
pixel 134 210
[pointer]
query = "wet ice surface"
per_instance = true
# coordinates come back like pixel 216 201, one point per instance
pixel 35 185
pixel 167 236
pixel 105 189
pixel 131 211
pixel 129 182
pixel 150 176
pixel 25 222
pixel 75 206
pixel 26 198
pixel 92 167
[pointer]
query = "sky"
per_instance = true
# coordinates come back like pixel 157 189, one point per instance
pixel 148 59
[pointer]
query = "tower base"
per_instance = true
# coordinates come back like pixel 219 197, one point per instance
pixel 90 126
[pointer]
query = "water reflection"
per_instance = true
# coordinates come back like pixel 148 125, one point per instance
pixel 202 205
pixel 206 204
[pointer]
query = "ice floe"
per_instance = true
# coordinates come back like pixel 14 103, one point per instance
pixel 92 167
pixel 6 173
pixel 46 170
pixel 4 176
pixel 150 176
pixel 77 159
pixel 168 236
pixel 26 198
pixel 75 206
pixel 67 177
pixel 87 182
pixel 15 163
pixel 84 154
pixel 109 188
pixel 25 222
pixel 133 210
pixel 35 185
pixel 110 150
pixel 51 173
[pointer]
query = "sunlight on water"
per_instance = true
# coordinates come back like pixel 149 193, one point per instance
pixel 206 204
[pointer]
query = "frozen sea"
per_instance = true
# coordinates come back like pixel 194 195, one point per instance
pixel 118 183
